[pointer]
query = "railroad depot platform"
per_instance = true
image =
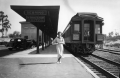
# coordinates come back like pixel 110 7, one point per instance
pixel 28 64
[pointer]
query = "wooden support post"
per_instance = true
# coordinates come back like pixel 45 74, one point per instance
pixel 48 41
pixel 45 39
pixel 42 41
pixel 37 40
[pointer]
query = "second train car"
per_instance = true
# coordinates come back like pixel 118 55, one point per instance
pixel 83 32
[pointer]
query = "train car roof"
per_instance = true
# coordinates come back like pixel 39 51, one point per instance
pixel 87 14
pixel 81 15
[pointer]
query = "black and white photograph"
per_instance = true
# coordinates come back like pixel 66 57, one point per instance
pixel 59 38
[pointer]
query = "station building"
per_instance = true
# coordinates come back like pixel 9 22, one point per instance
pixel 29 31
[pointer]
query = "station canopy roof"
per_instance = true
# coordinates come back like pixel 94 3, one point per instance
pixel 43 17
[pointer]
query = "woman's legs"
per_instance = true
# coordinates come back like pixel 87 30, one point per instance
pixel 61 51
pixel 59 54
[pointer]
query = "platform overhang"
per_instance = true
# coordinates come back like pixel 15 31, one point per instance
pixel 43 17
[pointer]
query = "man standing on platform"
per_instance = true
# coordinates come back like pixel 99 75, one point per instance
pixel 59 41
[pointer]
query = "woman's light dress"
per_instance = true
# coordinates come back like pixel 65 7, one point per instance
pixel 59 45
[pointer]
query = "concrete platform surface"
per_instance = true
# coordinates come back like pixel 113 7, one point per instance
pixel 41 66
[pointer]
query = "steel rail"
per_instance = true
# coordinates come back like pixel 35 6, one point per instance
pixel 107 60
pixel 110 51
pixel 106 73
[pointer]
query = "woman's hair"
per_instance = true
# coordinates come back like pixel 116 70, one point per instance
pixel 59 32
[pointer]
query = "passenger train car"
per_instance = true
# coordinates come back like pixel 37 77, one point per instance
pixel 83 32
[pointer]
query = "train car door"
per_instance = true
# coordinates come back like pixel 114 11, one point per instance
pixel 88 31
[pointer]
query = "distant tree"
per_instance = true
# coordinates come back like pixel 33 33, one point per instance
pixel 105 36
pixel 11 35
pixel 15 34
pixel 4 22
pixel 116 34
pixel 111 34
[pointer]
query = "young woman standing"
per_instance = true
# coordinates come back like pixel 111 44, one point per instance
pixel 59 41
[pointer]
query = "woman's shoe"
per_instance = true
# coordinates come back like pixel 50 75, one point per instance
pixel 63 57
pixel 59 62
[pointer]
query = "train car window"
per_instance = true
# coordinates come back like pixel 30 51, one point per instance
pixel 86 29
pixel 97 29
pixel 75 36
pixel 77 27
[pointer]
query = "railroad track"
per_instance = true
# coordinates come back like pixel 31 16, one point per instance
pixel 110 51
pixel 93 68
pixel 102 67
pixel 108 55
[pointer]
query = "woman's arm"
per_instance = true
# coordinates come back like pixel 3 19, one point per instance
pixel 54 42
pixel 63 41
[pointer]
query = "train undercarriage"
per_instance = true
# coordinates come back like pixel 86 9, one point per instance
pixel 81 48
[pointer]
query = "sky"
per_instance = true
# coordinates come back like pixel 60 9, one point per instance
pixel 109 10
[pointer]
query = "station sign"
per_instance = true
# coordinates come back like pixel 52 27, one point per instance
pixel 35 18
pixel 35 15
pixel 35 12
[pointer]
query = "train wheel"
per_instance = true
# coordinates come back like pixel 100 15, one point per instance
pixel 72 48
pixel 82 50
pixel 85 51
pixel 90 49
pixel 76 51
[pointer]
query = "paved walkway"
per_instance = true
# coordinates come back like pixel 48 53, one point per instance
pixel 43 65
